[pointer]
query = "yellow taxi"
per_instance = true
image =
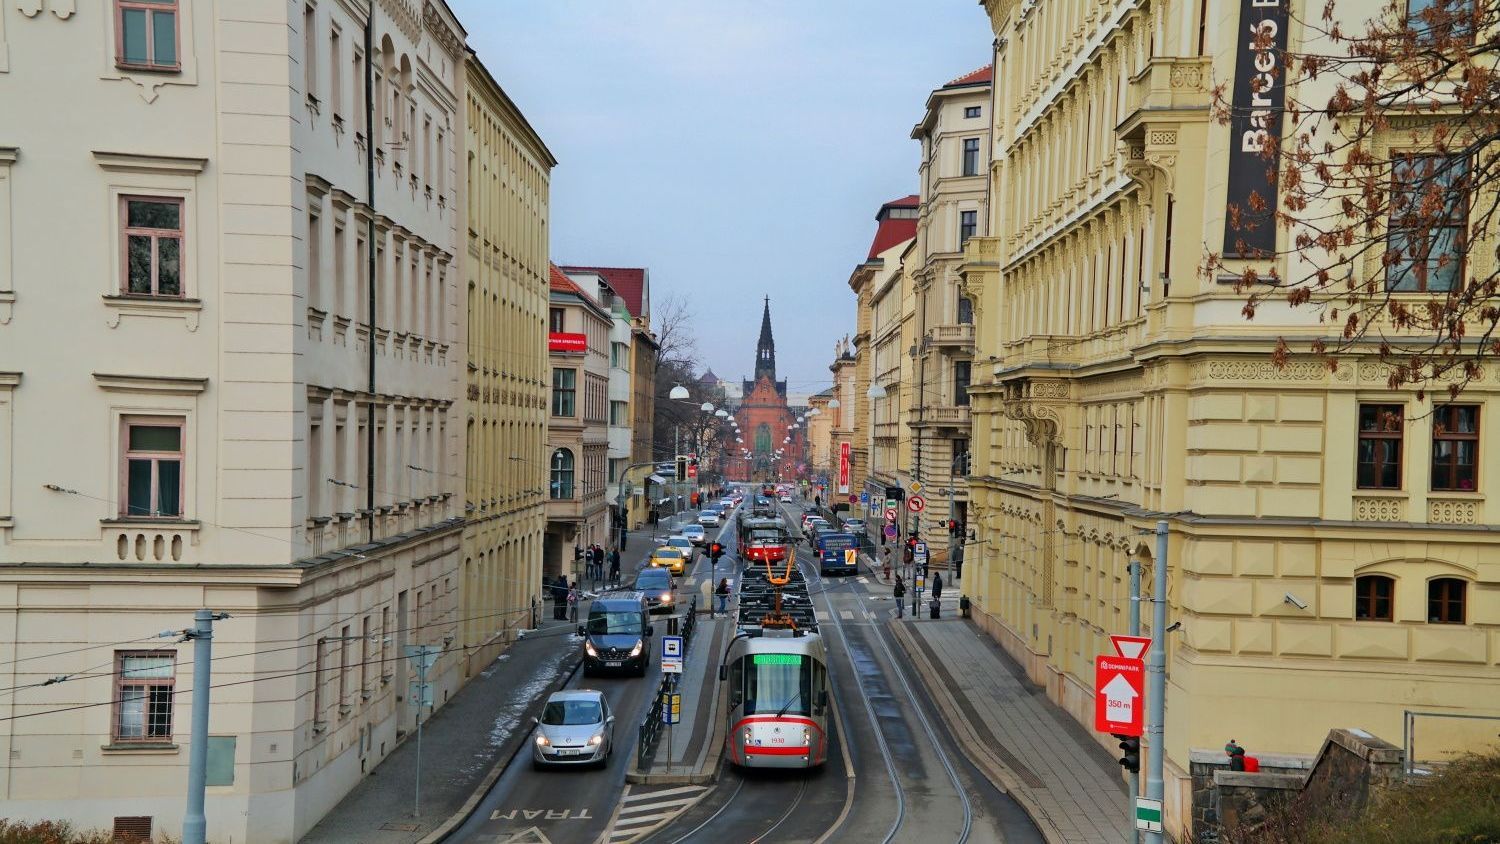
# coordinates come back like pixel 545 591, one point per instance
pixel 668 558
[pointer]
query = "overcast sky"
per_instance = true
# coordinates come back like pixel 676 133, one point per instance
pixel 736 148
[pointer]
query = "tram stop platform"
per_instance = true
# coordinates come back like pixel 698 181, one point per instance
pixel 689 752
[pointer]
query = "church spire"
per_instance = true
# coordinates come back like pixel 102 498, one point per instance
pixel 765 350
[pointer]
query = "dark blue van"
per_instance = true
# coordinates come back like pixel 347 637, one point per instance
pixel 838 553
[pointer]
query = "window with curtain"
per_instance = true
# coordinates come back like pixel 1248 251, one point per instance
pixel 1455 447
pixel 1381 428
pixel 1429 217
pixel 144 682
pixel 562 474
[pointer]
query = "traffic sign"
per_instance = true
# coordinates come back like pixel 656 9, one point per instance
pixel 864 498
pixel 853 499
pixel 919 553
pixel 915 487
pixel 890 531
pixel 891 503
pixel 1148 814
pixel 851 557
pixel 1119 685
pixel 916 504
pixel 671 654
pixel 890 514
pixel 1131 647
pixel 671 708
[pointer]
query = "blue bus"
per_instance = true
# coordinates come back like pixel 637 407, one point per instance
pixel 838 553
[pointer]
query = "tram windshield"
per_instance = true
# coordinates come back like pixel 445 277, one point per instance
pixel 778 683
pixel 772 536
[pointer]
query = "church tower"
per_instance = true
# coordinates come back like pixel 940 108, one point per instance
pixel 765 350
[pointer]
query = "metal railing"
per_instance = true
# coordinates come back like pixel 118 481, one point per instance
pixel 649 735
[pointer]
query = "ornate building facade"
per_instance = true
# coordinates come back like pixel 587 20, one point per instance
pixel 765 422
pixel 1316 584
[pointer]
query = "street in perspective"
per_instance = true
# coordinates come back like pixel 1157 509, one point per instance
pixel 682 422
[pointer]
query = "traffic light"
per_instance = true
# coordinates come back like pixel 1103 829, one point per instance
pixel 1130 752
pixel 715 550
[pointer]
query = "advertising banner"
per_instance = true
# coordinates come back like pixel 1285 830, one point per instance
pixel 1259 94
pixel 844 467
pixel 563 341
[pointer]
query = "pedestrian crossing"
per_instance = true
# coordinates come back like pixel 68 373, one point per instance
pixel 644 809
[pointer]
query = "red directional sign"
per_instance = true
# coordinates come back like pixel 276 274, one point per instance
pixel 1119 695
pixel 916 503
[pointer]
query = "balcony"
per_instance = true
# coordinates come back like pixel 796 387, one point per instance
pixel 1168 90
pixel 959 335
pixel 942 416
pixel 887 430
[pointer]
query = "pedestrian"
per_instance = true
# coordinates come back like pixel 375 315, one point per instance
pixel 596 560
pixel 614 566
pixel 886 556
pixel 722 591
pixel 937 587
pixel 900 592
pixel 573 604
pixel 560 598
pixel 1236 755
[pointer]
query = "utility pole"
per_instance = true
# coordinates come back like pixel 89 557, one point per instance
pixel 1156 677
pixel 1135 630
pixel 423 657
pixel 195 822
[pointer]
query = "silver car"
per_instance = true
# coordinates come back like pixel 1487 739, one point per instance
pixel 576 728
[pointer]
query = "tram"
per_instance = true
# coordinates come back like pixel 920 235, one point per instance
pixel 777 670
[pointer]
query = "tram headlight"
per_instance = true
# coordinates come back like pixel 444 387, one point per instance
pixel 747 735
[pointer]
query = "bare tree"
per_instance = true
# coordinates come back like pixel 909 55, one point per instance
pixel 1386 168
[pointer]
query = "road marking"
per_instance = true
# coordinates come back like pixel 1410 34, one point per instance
pixel 847 615
pixel 641 812
pixel 647 807
pixel 686 789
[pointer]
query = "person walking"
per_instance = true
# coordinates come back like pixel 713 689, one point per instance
pixel 573 604
pixel 614 566
pixel 560 598
pixel 900 592
pixel 722 591
pixel 937 587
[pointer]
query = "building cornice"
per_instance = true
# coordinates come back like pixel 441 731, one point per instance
pixel 158 384
pixel 132 162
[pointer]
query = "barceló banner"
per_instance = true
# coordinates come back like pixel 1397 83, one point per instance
pixel 1259 95
pixel 562 341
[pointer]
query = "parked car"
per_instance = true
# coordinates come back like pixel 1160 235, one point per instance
pixel 696 533
pixel 815 525
pixel 615 634
pixel 576 728
pixel 854 526
pixel 669 558
pixel 658 587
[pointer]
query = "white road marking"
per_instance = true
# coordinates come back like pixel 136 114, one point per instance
pixel 643 820
pixel 647 795
pixel 847 615
pixel 647 807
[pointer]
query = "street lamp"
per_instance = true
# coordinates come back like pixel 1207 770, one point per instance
pixel 721 413
pixel 876 391
pixel 678 393
pixel 833 403
pixel 707 407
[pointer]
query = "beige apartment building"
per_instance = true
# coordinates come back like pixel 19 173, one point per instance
pixel 821 453
pixel 844 418
pixel 883 333
pixel 1329 557
pixel 254 409
pixel 577 427
pixel 505 199
pixel 954 176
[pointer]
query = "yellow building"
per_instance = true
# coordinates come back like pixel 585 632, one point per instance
pixel 506 264
pixel 842 409
pixel 1323 573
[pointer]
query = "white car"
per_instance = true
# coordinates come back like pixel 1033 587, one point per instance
pixel 576 728
pixel 786 499
pixel 710 518
pixel 695 533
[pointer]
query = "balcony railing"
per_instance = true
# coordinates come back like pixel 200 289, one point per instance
pixel 1165 85
pixel 955 415
pixel 959 335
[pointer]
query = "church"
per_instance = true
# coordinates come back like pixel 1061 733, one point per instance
pixel 768 427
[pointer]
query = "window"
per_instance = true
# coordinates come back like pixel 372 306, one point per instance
pixel 965 311
pixel 968 223
pixel 1445 600
pixel 358 80
pixel 336 71
pixel 619 413
pixel 555 320
pixel 1380 434
pixel 619 355
pixel 1455 447
pixel 971 156
pixel 961 382
pixel 310 51
pixel 562 474
pixel 1429 218
pixel 152 241
pixel 1372 597
pixel 564 392
pixel 971 111
pixel 315 260
pixel 152 474
pixel 143 695
pixel 1435 21
pixel 146 34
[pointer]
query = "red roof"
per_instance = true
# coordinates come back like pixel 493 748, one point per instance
pixel 562 284
pixel 982 75
pixel 892 231
pixel 629 283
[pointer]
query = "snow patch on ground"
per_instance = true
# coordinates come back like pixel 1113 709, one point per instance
pixel 507 721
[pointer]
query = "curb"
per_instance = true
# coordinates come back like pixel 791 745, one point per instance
pixel 708 772
pixel 969 743
pixel 503 761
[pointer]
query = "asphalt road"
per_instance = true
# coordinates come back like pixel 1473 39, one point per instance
pixel 910 781
pixel 574 806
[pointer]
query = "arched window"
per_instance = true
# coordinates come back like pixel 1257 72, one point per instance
pixel 763 438
pixel 1445 600
pixel 1372 597
pixel 562 474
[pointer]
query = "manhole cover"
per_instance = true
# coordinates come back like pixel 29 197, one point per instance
pixel 401 827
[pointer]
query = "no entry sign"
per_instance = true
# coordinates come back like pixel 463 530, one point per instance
pixel 1119 691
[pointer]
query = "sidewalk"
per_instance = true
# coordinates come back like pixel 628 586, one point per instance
pixel 1065 780
pixel 467 743
pixel 697 740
